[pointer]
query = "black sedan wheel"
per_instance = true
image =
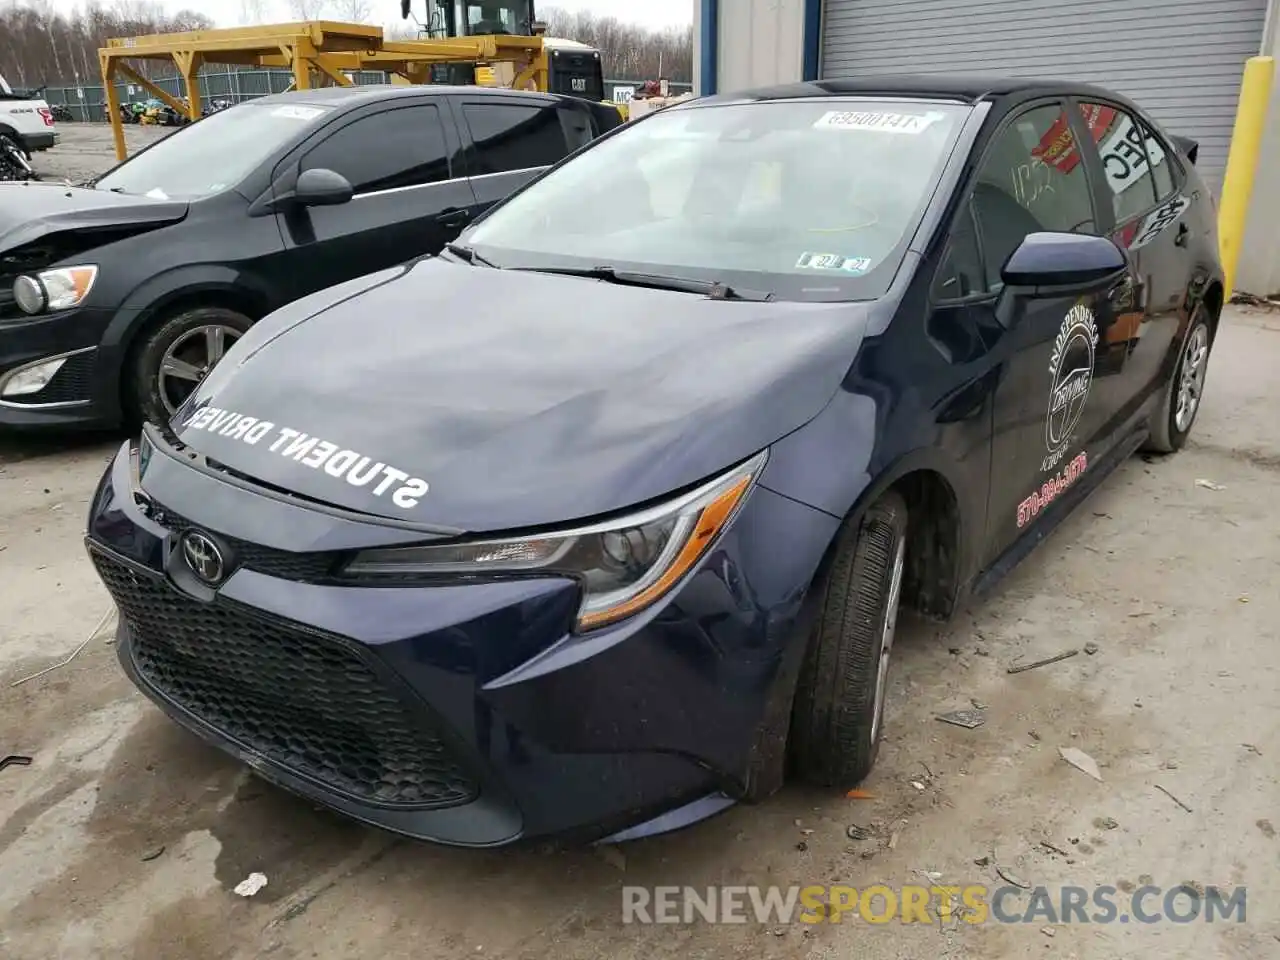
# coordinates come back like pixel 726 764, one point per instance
pixel 839 711
pixel 178 355
pixel 1172 422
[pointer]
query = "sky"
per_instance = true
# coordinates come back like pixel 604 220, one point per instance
pixel 649 13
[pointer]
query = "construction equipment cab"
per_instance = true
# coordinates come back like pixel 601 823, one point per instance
pixel 573 69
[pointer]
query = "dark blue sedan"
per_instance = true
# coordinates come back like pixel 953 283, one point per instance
pixel 600 521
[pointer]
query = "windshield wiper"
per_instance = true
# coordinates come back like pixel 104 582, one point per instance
pixel 469 255
pixel 713 289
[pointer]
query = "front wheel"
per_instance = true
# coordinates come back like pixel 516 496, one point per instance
pixel 840 702
pixel 176 356
pixel 1172 422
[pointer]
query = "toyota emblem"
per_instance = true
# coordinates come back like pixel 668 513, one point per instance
pixel 203 557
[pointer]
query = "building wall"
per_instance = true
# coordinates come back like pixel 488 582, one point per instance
pixel 761 42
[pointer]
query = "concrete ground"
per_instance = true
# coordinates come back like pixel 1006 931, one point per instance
pixel 126 836
pixel 86 149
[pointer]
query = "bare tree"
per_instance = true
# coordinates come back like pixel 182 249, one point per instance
pixel 353 11
pixel 628 51
pixel 308 9
pixel 252 12
pixel 40 46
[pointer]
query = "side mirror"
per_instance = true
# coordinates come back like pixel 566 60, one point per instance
pixel 1063 260
pixel 320 187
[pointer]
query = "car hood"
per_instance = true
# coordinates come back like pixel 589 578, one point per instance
pixel 474 399
pixel 33 211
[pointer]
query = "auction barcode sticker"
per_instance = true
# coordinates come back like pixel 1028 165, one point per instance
pixel 881 122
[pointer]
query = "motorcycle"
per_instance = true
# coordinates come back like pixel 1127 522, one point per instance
pixel 132 112
pixel 61 113
pixel 15 162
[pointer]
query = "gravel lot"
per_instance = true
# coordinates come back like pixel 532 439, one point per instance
pixel 125 836
pixel 86 149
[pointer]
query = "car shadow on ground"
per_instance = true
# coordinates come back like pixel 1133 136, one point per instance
pixel 16 447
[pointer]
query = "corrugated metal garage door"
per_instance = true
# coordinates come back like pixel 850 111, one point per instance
pixel 1181 59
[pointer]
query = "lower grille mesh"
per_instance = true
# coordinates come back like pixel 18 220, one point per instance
pixel 302 700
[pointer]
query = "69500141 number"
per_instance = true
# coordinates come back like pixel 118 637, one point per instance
pixel 1051 489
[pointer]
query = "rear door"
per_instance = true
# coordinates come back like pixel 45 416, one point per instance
pixel 511 140
pixel 410 195
pixel 1144 187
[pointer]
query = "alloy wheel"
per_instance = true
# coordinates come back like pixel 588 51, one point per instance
pixel 1195 362
pixel 189 359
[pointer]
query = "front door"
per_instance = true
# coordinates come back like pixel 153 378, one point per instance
pixel 1048 419
pixel 408 201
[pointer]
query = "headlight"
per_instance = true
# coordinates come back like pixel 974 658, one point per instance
pixel 59 289
pixel 624 565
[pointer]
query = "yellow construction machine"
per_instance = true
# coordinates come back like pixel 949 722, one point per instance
pixel 573 69
pixel 324 53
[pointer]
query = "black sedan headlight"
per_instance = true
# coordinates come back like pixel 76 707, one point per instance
pixel 624 565
pixel 59 289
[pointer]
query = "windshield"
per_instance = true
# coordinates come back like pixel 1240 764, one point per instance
pixel 4 86
pixel 213 154
pixel 811 200
pixel 497 16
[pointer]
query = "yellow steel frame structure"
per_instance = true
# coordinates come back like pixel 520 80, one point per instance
pixel 316 49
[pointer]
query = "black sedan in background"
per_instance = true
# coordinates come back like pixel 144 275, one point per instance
pixel 608 559
pixel 118 296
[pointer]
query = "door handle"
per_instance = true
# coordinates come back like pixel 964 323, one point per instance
pixel 1184 232
pixel 453 218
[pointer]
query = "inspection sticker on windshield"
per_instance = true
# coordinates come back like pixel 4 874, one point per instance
pixel 833 261
pixel 880 122
pixel 297 113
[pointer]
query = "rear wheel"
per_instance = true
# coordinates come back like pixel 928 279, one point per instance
pixel 177 355
pixel 840 702
pixel 1172 422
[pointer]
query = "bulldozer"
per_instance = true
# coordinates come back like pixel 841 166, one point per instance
pixel 573 69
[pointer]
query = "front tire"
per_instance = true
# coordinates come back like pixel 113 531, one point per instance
pixel 839 711
pixel 176 356
pixel 1171 424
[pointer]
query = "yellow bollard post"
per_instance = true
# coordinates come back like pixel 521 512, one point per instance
pixel 1242 161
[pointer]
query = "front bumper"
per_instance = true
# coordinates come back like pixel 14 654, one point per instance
pixel 463 714
pixel 83 391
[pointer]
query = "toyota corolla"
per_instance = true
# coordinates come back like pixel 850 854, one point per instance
pixel 600 521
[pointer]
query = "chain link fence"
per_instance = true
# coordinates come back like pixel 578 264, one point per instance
pixel 89 103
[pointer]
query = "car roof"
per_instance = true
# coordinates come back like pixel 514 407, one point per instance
pixel 964 88
pixel 370 93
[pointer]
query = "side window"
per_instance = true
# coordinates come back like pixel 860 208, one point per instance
pixel 1124 159
pixel 1161 167
pixel 1031 180
pixel 578 129
pixel 404 147
pixel 514 136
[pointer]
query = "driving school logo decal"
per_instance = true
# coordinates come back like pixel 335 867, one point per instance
pixel 1070 375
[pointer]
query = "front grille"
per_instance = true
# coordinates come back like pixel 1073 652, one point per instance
pixel 303 700
pixel 72 383
pixel 285 564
